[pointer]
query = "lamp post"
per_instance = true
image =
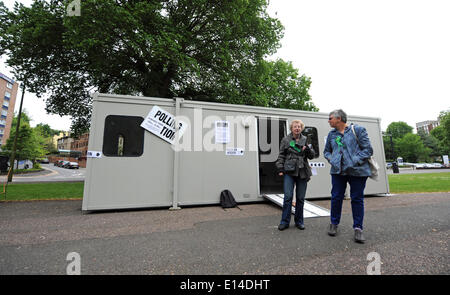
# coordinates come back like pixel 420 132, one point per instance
pixel 394 162
pixel 13 153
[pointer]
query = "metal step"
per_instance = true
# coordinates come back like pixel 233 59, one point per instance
pixel 309 209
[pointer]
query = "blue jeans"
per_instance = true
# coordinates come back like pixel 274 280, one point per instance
pixel 300 191
pixel 357 186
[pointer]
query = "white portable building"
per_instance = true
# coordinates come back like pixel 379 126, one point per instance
pixel 136 160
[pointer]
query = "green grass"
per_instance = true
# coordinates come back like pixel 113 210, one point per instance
pixel 43 191
pixel 419 183
pixel 398 183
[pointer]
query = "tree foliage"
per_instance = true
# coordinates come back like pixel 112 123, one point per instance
pixel 46 133
pixel 30 144
pixel 209 50
pixel 411 148
pixel 396 130
pixel 418 147
pixel 442 133
pixel 432 143
pixel 399 129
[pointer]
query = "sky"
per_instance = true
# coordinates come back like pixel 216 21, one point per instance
pixel 388 59
pixel 385 59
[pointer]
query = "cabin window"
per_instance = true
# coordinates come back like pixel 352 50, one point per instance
pixel 312 138
pixel 123 136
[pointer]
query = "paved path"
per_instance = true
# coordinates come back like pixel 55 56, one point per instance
pixel 410 232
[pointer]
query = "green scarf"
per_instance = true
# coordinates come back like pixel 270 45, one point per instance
pixel 339 142
pixel 292 144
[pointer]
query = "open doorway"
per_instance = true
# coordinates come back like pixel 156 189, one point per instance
pixel 270 133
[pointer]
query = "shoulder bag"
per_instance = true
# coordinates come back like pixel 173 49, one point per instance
pixel 372 163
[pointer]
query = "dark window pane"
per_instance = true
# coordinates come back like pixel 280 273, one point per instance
pixel 313 139
pixel 123 136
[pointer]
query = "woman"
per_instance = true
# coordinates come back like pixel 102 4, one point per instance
pixel 292 163
pixel 347 150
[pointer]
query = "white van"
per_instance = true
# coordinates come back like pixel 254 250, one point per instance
pixel 23 164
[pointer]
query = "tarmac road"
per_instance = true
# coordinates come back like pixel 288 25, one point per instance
pixel 51 173
pixel 410 232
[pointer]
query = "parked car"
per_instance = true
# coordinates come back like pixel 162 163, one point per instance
pixel 63 164
pixel 438 165
pixel 71 165
pixel 388 165
pixel 419 165
pixel 44 161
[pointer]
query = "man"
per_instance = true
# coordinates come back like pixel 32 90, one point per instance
pixel 347 151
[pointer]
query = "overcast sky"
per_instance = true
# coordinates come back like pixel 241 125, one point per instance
pixel 380 58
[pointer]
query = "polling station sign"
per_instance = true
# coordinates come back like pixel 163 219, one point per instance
pixel 162 124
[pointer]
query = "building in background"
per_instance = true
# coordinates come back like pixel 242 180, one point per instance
pixel 427 126
pixel 58 136
pixel 8 94
pixel 80 144
pixel 64 143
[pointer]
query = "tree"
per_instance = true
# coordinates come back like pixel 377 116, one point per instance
pixel 46 130
pixel 46 133
pixel 24 119
pixel 410 147
pixel 209 50
pixel 399 129
pixel 29 144
pixel 431 143
pixel 442 133
pixel 396 130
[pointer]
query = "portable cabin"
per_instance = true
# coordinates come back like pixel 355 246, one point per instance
pixel 137 158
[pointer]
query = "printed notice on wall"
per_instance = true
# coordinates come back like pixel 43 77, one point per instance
pixel 162 124
pixel 234 152
pixel 315 165
pixel 222 131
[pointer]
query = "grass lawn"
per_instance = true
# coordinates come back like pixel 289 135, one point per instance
pixel 398 183
pixel 43 191
pixel 419 183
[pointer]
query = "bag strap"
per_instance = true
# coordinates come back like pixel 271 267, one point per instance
pixel 353 129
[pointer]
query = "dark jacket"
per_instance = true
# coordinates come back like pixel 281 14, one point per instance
pixel 351 156
pixel 290 156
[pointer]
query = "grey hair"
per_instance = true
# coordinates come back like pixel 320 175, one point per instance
pixel 339 114
pixel 302 125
